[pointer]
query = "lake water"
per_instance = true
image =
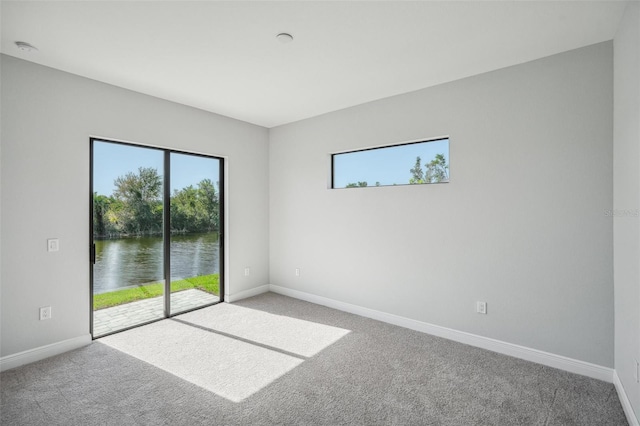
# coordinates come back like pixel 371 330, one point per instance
pixel 128 262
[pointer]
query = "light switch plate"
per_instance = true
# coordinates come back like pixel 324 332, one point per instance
pixel 53 244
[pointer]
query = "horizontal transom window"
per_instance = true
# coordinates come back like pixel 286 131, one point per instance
pixel 406 164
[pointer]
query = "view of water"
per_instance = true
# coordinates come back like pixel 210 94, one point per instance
pixel 132 261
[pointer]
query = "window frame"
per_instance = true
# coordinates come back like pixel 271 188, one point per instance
pixel 414 142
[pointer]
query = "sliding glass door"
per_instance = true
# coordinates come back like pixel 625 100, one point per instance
pixel 156 234
pixel 195 231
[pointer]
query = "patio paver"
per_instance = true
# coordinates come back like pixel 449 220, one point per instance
pixel 118 317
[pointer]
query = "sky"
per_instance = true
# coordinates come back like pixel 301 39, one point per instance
pixel 111 160
pixel 386 165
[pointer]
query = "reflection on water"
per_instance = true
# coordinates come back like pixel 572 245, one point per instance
pixel 132 261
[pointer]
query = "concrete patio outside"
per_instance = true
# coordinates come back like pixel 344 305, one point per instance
pixel 108 320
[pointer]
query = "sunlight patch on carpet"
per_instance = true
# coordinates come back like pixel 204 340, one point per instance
pixel 228 367
pixel 228 350
pixel 304 338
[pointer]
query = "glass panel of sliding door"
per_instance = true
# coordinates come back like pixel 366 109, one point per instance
pixel 127 235
pixel 195 213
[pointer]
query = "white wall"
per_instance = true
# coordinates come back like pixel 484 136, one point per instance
pixel 48 117
pixel 626 199
pixel 521 225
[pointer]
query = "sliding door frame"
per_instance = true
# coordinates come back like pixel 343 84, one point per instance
pixel 166 226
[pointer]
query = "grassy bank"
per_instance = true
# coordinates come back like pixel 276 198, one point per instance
pixel 208 283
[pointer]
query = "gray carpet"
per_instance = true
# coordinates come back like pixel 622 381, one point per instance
pixel 296 363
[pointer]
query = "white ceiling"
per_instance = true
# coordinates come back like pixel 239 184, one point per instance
pixel 223 56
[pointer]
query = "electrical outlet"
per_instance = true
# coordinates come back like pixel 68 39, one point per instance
pixel 297 272
pixel 45 313
pixel 481 307
pixel 247 272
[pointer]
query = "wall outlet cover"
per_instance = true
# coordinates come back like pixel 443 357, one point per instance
pixel 45 313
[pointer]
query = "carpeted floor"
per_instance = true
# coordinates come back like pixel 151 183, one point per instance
pixel 276 360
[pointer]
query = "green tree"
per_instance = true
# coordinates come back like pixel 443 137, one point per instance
pixel 437 170
pixel 195 209
pixel 140 198
pixel 114 212
pixel 417 175
pixel 357 185
pixel 211 205
pixel 100 219
pixel 183 209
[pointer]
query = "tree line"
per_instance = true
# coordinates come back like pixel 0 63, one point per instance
pixel 437 170
pixel 135 207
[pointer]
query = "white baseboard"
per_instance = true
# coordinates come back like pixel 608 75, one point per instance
pixel 624 400
pixel 42 352
pixel 246 293
pixel 517 351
